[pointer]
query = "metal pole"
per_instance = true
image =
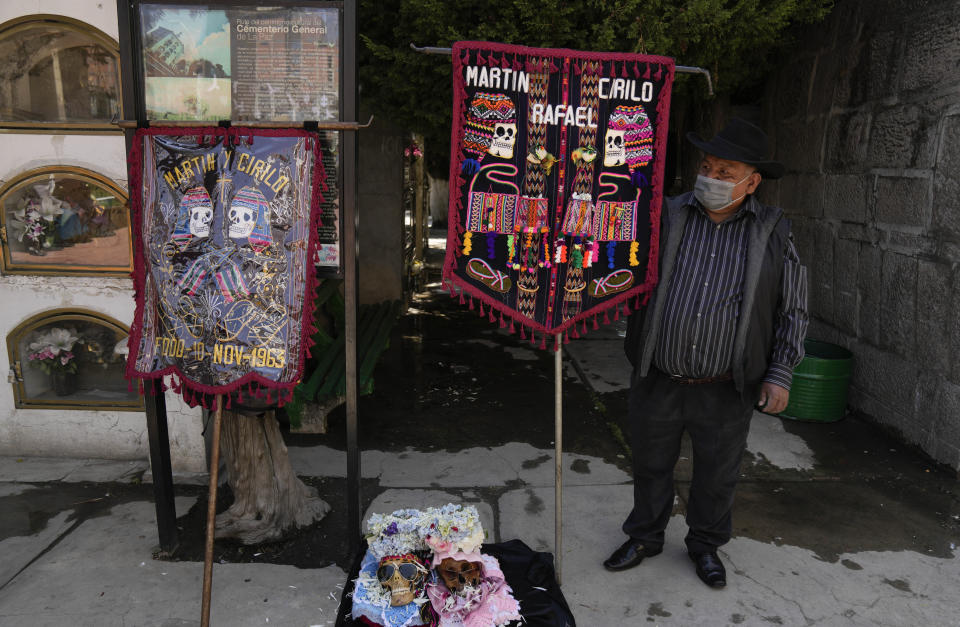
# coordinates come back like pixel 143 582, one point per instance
pixel 558 460
pixel 211 514
pixel 321 126
pixel 679 69
pixel 351 252
pixel 419 220
pixel 160 465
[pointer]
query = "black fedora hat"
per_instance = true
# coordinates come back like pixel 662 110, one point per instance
pixel 741 141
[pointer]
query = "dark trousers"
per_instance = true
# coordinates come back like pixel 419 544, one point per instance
pixel 718 419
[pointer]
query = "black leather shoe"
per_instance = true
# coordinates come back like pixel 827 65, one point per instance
pixel 710 569
pixel 630 554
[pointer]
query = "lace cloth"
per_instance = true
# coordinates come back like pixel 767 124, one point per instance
pixel 491 604
pixel 370 602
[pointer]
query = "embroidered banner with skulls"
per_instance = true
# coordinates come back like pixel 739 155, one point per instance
pixel 226 224
pixel 556 183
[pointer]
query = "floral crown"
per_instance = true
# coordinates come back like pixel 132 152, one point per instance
pixel 396 533
pixel 452 529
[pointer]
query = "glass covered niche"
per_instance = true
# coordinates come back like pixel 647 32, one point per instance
pixel 71 359
pixel 62 220
pixel 57 72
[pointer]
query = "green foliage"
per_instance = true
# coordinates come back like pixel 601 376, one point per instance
pixel 731 38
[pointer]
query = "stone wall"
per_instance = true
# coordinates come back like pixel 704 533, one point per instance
pixel 865 113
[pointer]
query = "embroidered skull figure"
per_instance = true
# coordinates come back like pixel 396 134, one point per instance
pixel 615 152
pixel 403 575
pixel 491 118
pixel 250 218
pixel 459 574
pixel 242 220
pixel 193 220
pixel 200 218
pixel 504 138
pixel 629 140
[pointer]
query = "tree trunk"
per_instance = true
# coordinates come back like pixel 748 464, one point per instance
pixel 269 499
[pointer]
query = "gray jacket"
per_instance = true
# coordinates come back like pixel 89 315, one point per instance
pixel 755 334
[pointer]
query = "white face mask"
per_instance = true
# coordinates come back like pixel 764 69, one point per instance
pixel 716 195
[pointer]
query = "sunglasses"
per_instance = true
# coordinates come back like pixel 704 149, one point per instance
pixel 468 570
pixel 407 570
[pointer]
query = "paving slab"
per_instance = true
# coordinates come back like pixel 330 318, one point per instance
pixel 12 489
pixel 180 478
pixel 40 469
pixel 599 358
pixel 107 471
pixel 767 582
pixel 474 467
pixel 19 551
pixel 36 469
pixel 770 441
pixel 103 573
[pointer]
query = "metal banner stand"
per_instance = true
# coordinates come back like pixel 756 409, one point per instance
pixel 558 363
pixel 134 114
pixel 156 409
pixel 558 462
pixel 350 217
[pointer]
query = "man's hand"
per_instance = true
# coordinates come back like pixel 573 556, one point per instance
pixel 773 398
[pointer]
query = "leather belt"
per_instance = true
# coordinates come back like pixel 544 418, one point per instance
pixel 691 381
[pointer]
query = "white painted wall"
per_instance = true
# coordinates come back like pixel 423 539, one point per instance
pixel 100 434
pixel 101 14
pixel 105 154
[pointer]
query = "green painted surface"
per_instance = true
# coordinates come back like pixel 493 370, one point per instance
pixel 820 383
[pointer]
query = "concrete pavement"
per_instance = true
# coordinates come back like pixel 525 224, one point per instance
pixel 835 524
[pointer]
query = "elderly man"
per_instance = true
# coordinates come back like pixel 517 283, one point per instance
pixel 720 336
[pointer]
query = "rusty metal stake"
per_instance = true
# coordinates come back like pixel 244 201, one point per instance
pixel 211 514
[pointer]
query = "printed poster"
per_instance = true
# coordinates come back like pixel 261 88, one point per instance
pixel 203 62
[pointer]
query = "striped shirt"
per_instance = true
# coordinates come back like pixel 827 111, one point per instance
pixel 704 296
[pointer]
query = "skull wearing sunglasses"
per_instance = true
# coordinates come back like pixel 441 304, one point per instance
pixel 402 575
pixel 459 574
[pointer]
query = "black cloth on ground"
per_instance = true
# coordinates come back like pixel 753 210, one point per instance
pixel 529 574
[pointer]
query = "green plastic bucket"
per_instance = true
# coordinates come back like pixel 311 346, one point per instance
pixel 820 383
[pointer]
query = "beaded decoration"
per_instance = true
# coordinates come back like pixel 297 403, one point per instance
pixel 535 224
pixel 579 217
pixel 486 111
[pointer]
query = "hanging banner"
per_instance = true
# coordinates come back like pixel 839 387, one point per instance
pixel 226 223
pixel 556 182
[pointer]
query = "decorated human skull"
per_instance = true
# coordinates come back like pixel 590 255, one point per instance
pixel 614 148
pixel 459 574
pixel 504 138
pixel 200 218
pixel 403 575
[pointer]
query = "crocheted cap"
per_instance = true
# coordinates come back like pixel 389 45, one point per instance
pixel 488 109
pixel 195 197
pixel 453 529
pixel 485 111
pixel 191 199
pixel 396 533
pixel 638 135
pixel 252 198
